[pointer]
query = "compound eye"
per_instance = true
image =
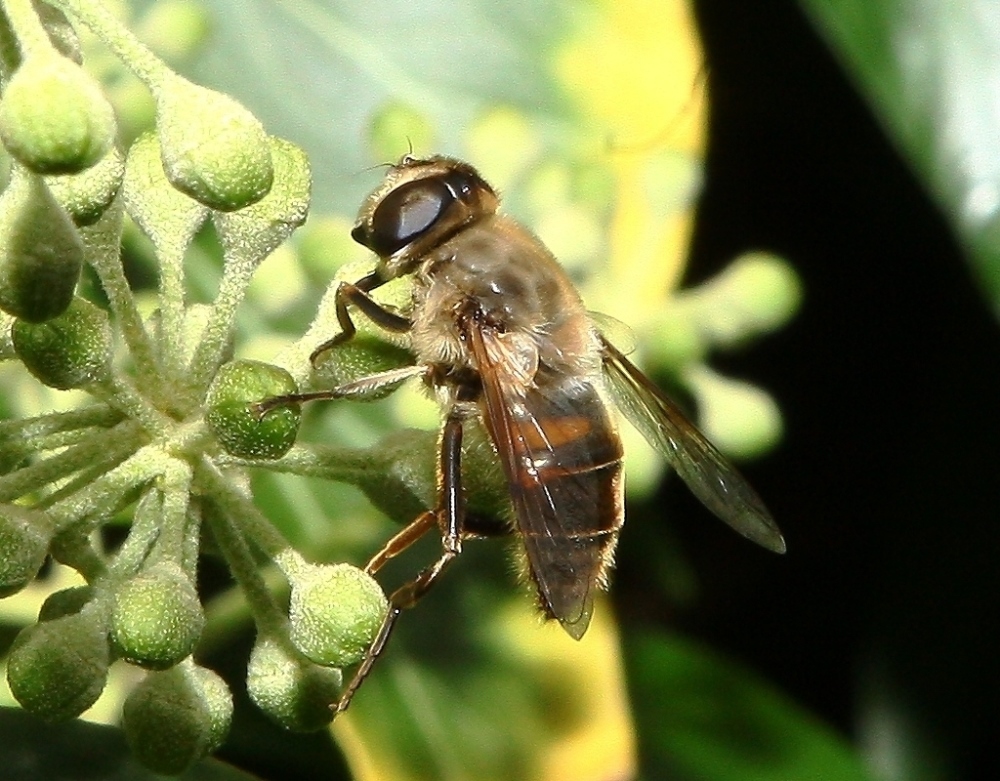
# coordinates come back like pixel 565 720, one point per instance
pixel 407 212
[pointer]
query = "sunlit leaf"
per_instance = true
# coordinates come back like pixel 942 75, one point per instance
pixel 930 71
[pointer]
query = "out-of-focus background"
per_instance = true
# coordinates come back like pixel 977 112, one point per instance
pixel 884 615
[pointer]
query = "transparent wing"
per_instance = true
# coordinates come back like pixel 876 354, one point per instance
pixel 562 461
pixel 708 473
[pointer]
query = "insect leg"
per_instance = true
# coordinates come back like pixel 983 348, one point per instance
pixel 356 388
pixel 357 295
pixel 449 516
pixel 401 541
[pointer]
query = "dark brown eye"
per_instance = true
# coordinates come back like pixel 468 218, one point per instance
pixel 406 213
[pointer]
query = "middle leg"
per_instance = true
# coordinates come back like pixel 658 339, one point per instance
pixel 449 515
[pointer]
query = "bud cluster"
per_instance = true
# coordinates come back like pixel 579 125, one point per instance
pixel 166 426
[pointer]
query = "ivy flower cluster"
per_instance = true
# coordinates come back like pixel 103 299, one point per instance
pixel 167 431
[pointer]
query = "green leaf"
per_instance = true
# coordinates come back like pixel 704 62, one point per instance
pixel 929 70
pixel 700 716
pixel 352 60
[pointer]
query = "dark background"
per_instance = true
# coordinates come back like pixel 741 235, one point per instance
pixel 885 483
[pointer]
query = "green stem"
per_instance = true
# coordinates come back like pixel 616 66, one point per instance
pixel 80 480
pixel 104 494
pixel 59 440
pixel 28 429
pixel 226 613
pixel 192 539
pixel 267 615
pixel 236 504
pixel 102 248
pixel 341 464
pixel 100 449
pixel 207 358
pixel 171 263
pixel 176 486
pixel 133 552
pixel 77 552
pixel 31 35
pixel 119 39
pixel 118 393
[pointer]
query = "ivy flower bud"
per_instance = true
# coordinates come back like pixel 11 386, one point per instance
pixel 213 148
pixel 363 356
pixel 254 232
pixel 335 611
pixel 54 118
pixel 231 416
pixel 41 253
pixel 58 669
pixel 400 474
pixel 68 351
pixel 293 691
pixel 157 617
pixel 86 195
pixel 174 718
pixel 166 216
pixel 24 544
pixel 757 293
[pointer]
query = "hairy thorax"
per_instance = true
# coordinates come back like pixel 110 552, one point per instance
pixel 496 268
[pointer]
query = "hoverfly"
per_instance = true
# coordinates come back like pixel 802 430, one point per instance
pixel 501 335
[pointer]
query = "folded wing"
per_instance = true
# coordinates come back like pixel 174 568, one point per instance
pixel 562 460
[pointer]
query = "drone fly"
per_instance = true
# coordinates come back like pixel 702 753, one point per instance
pixel 500 335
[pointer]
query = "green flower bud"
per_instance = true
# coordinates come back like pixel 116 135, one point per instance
pixel 487 492
pixel 157 617
pixel 174 718
pixel 54 117
pixel 399 474
pixel 757 293
pixel 290 689
pixel 166 216
pixel 741 419
pixel 362 356
pixel 676 339
pixel 253 233
pixel 58 669
pixel 213 148
pixel 86 195
pixel 335 612
pixel 235 423
pixel 65 602
pixel 68 351
pixel 41 253
pixel 24 544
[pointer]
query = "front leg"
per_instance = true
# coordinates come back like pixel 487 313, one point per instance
pixel 357 295
pixel 349 390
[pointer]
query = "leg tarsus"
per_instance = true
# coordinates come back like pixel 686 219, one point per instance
pixel 406 596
